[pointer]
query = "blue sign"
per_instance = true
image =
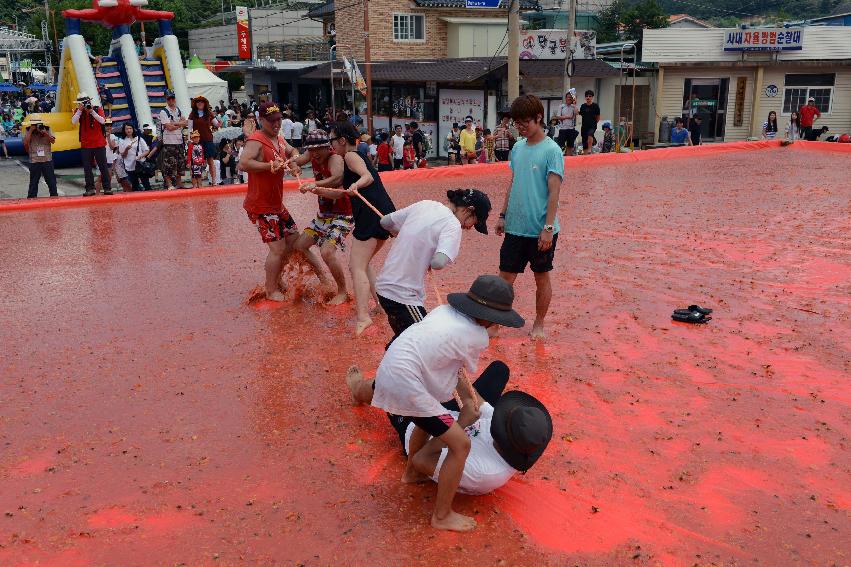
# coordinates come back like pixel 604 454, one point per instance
pixel 483 3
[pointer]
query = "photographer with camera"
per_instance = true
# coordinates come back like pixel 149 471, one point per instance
pixel 92 142
pixel 37 142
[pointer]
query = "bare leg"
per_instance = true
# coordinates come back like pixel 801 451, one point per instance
pixel 211 163
pixel 443 517
pixel 425 461
pixel 362 253
pixel 543 296
pixel 332 260
pixel 311 256
pixel 370 274
pixel 361 389
pixel 418 440
pixel 493 330
pixel 274 264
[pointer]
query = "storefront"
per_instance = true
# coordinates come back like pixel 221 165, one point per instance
pixel 732 78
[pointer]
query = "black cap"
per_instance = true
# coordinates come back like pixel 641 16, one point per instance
pixel 476 199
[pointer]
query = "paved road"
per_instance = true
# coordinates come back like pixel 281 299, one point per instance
pixel 15 180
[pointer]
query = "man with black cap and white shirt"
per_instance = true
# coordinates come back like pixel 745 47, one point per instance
pixel 419 373
pixel 428 237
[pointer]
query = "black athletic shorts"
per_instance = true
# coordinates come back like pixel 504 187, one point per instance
pixel 567 136
pixel 435 425
pixel 517 251
pixel 401 316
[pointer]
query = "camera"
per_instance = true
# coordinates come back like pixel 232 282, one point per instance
pixel 88 106
pixel 41 127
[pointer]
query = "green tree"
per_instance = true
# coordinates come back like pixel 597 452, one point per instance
pixel 626 21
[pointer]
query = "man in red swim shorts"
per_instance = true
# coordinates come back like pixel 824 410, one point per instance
pixel 266 158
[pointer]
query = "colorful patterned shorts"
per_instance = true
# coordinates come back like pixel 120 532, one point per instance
pixel 274 226
pixel 331 229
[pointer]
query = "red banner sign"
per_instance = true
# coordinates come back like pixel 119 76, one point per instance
pixel 243 35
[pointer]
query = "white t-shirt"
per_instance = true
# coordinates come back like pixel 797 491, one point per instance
pixel 373 150
pixel 171 137
pixel 287 128
pixel 298 128
pixel 398 143
pixel 420 369
pixel 485 470
pixel 110 153
pixel 424 228
pixel 135 151
pixel 310 125
pixel 567 110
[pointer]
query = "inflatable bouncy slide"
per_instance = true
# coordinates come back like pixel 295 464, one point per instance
pixel 137 83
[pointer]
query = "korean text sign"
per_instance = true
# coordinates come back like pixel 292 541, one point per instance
pixel 243 36
pixel 774 39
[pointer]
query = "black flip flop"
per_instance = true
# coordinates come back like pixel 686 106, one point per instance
pixel 686 316
pixel 699 309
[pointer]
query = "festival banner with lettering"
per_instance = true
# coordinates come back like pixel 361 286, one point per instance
pixel 768 39
pixel 243 35
pixel 453 106
pixel 552 44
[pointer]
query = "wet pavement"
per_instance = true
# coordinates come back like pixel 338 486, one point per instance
pixel 150 417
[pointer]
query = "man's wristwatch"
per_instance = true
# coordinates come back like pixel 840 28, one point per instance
pixel 549 227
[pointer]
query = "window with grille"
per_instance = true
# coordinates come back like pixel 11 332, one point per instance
pixel 408 27
pixel 800 87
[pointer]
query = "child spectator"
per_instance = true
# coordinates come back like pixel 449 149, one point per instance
pixel 409 157
pixel 608 141
pixel 489 145
pixel 480 146
pixel 196 161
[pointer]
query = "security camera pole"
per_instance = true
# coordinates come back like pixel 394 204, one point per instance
pixel 568 56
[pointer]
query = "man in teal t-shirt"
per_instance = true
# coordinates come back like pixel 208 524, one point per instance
pixel 528 218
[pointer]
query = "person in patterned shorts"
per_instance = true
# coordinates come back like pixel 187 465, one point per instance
pixel 266 158
pixel 334 221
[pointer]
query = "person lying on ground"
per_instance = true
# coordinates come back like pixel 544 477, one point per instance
pixel 495 455
pixel 420 371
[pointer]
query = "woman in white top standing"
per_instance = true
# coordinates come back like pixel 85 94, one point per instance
pixel 769 127
pixel 428 237
pixel 133 148
pixel 298 133
pixel 793 130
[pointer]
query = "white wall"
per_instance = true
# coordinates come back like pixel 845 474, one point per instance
pixel 266 26
pixel 475 40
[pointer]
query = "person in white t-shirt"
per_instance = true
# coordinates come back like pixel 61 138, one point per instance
pixel 420 371
pixel 173 155
pixel 567 114
pixel 428 236
pixel 397 142
pixel 287 129
pixel 131 149
pixel 298 131
pixel 494 456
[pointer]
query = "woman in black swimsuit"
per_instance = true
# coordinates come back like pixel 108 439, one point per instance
pixel 360 175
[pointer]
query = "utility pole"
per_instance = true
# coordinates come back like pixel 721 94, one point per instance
pixel 568 56
pixel 368 67
pixel 513 50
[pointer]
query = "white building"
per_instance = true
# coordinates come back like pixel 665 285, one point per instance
pixel 267 25
pixel 734 83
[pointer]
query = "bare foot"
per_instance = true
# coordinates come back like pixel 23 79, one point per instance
pixel 454 522
pixel 276 296
pixel 353 378
pixel 413 476
pixel 362 326
pixel 338 299
pixel 538 332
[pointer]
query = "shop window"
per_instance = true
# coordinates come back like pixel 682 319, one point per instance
pixel 408 27
pixel 800 87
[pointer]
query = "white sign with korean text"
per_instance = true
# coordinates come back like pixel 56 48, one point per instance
pixel 552 44
pixel 455 105
pixel 764 39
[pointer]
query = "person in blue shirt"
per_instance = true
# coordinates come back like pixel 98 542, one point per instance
pixel 679 134
pixel 528 218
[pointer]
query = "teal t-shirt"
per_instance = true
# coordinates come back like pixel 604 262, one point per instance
pixel 527 206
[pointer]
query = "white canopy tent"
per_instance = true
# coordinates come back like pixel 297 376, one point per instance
pixel 201 82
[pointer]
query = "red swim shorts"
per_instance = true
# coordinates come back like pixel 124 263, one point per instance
pixel 274 226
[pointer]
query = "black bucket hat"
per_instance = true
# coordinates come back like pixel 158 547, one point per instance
pixel 490 299
pixel 521 428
